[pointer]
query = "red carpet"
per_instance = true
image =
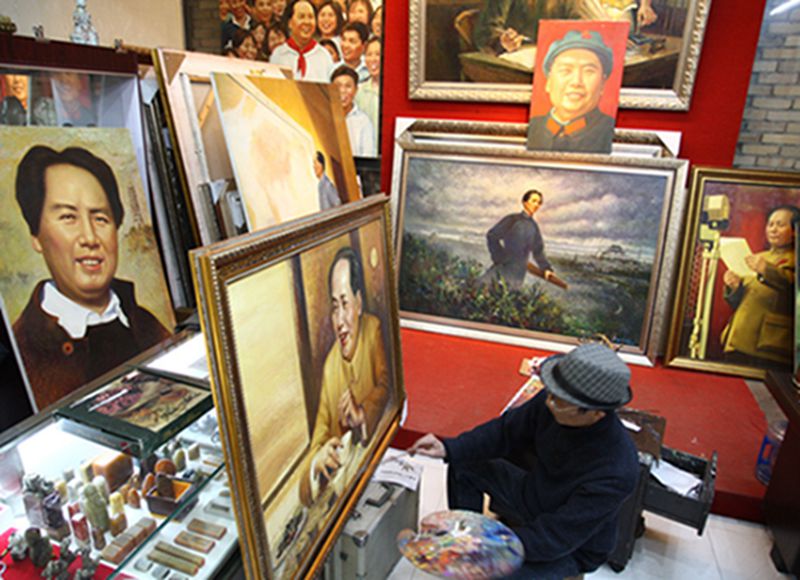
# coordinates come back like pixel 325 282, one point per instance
pixel 455 383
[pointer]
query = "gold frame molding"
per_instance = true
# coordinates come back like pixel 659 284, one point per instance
pixel 214 267
pixel 676 98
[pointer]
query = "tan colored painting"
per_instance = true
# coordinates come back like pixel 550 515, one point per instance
pixel 78 246
pixel 276 417
pixel 276 131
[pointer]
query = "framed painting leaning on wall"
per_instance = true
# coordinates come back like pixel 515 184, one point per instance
pixel 301 326
pixel 735 294
pixel 518 247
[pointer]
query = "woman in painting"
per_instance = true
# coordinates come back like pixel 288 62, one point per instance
pixel 759 332
pixel 330 22
pixel 260 31
pixel 244 44
pixel 276 35
pixel 368 97
pixel 359 11
pixel 377 22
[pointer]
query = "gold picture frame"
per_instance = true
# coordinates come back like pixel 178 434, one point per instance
pixel 704 328
pixel 443 30
pixel 264 300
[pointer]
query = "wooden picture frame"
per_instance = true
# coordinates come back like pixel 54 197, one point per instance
pixel 446 65
pixel 185 82
pixel 274 375
pixel 447 164
pixel 705 333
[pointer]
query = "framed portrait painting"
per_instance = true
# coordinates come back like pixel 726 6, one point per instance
pixel 507 245
pixel 734 310
pixel 301 327
pixel 484 51
pixel 81 275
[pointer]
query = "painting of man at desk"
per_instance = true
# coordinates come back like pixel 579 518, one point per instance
pixel 481 49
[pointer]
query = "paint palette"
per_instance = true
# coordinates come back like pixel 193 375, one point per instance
pixel 462 544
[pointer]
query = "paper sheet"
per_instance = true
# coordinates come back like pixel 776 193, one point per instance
pixel 733 252
pixel 398 468
pixel 187 359
pixel 675 478
pixel 525 56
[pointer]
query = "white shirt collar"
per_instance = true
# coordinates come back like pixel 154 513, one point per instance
pixel 74 318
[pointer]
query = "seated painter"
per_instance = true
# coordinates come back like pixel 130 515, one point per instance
pixel 83 321
pixel 564 506
pixel 355 377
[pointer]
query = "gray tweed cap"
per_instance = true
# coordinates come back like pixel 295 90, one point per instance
pixel 591 376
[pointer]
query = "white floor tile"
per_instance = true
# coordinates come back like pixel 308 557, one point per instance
pixel 741 549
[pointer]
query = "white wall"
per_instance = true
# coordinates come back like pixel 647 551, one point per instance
pixel 148 23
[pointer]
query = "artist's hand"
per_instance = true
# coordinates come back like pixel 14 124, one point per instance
pixel 327 460
pixel 511 40
pixel 646 15
pixel 756 263
pixel 429 445
pixel 732 279
pixel 351 414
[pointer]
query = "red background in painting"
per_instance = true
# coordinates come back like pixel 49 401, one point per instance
pixel 710 127
pixel 615 35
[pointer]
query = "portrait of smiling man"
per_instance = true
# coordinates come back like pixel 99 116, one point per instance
pixel 577 68
pixel 355 376
pixel 83 320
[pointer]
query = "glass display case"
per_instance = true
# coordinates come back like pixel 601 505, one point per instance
pixel 73 499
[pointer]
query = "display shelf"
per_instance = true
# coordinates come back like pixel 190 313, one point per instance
pixel 195 540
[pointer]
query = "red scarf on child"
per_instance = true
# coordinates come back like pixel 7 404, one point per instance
pixel 301 60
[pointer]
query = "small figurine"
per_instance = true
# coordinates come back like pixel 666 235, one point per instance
pixel 40 551
pixel 34 489
pixel 88 565
pixel 57 527
pixel 17 546
pixel 59 569
pixel 83 32
pixel 95 507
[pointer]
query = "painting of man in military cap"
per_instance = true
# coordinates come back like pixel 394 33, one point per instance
pixel 576 86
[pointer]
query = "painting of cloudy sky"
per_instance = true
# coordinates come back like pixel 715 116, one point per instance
pixel 600 227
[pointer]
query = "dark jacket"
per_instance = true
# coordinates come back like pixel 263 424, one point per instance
pixel 591 133
pixel 511 242
pixel 56 364
pixel 579 480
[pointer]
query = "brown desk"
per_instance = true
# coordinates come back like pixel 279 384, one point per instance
pixel 782 500
pixel 641 70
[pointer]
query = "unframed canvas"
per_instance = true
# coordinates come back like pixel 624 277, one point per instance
pixel 21 267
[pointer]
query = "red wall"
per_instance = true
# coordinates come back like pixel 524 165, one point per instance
pixel 710 127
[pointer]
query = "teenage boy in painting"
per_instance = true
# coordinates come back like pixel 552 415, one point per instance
pixel 359 127
pixel 577 67
pixel 355 378
pixel 564 507
pixel 83 321
pixel 514 239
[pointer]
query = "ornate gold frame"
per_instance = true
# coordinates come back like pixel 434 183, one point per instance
pixel 676 98
pixel 495 142
pixel 214 267
pixel 699 180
